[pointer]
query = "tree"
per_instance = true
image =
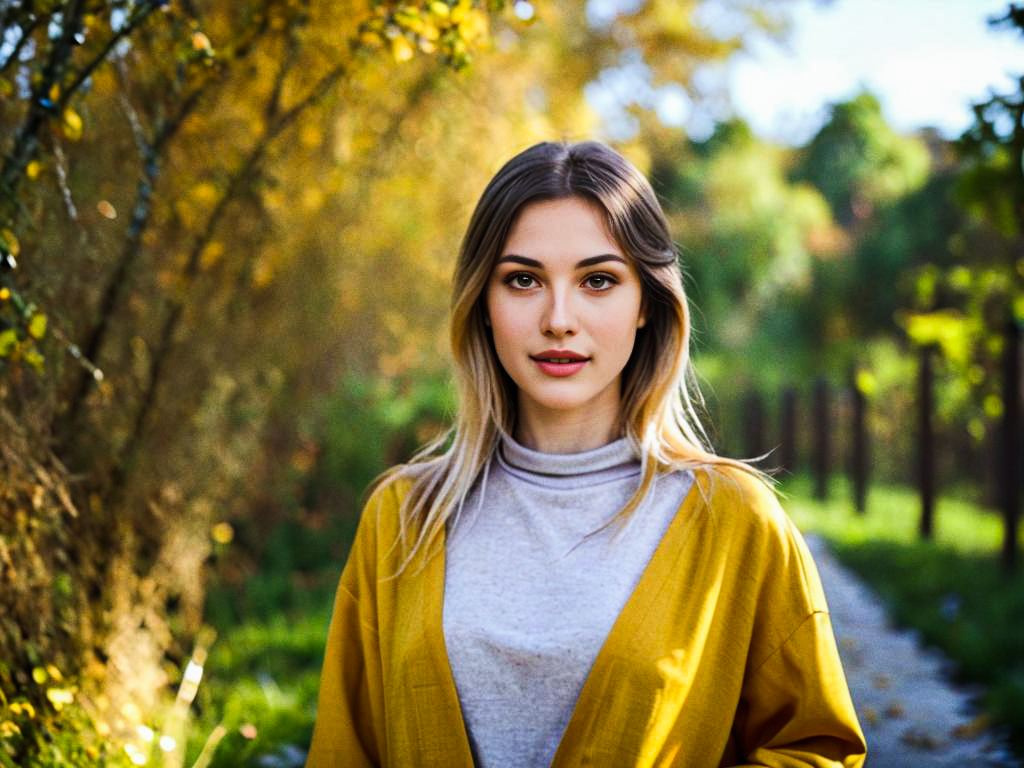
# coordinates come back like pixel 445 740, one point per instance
pixel 222 217
pixel 858 162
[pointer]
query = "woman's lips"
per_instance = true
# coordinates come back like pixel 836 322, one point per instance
pixel 557 363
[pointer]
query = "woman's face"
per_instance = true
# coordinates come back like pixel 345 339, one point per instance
pixel 564 304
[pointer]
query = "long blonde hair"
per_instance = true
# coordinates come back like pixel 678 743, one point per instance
pixel 660 398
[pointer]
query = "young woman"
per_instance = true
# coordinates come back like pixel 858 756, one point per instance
pixel 572 577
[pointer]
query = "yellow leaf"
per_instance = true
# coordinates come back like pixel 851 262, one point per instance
pixel 23 707
pixel 72 125
pixel 201 42
pixel 370 37
pixel 5 294
pixel 401 49
pixel 54 92
pixel 36 360
pixel 10 241
pixel 993 406
pixel 976 428
pixel 37 326
pixel 262 274
pixel 8 729
pixel 312 198
pixel 32 170
pixel 223 533
pixel 474 25
pixel 39 675
pixel 106 209
pixel 430 33
pixel 54 672
pixel 458 13
pixel 211 254
pixel 204 192
pixel 310 135
pixel 8 342
pixel 866 383
pixel 59 697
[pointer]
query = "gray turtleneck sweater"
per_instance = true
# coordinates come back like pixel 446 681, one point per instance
pixel 529 598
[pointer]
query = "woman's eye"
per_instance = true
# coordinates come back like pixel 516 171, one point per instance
pixel 521 280
pixel 599 282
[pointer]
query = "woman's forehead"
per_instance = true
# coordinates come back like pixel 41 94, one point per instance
pixel 572 226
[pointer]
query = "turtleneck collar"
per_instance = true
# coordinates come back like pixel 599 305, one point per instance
pixel 614 461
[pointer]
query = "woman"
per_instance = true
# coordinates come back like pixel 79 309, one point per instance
pixel 571 576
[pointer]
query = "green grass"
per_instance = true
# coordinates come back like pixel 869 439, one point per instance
pixel 260 685
pixel 950 589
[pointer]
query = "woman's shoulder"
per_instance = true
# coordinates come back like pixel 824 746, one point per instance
pixel 731 485
pixel 385 495
pixel 742 501
pixel 752 527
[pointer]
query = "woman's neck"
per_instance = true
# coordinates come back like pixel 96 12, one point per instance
pixel 553 431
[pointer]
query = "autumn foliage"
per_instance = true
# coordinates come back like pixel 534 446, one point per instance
pixel 210 212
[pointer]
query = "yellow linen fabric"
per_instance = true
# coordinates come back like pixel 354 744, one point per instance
pixel 723 655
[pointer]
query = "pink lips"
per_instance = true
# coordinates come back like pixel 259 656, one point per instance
pixel 559 362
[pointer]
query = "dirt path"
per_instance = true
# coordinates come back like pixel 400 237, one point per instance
pixel 912 715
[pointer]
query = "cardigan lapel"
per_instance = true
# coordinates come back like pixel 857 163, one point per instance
pixel 581 732
pixel 436 699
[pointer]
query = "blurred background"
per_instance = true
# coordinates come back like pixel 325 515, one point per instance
pixel 227 231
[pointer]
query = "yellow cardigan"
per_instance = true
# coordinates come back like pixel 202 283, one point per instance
pixel 723 655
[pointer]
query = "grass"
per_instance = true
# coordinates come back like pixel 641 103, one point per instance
pixel 258 694
pixel 951 589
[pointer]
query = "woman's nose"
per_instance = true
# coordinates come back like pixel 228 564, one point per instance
pixel 560 315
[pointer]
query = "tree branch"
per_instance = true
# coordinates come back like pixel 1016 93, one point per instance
pixel 241 179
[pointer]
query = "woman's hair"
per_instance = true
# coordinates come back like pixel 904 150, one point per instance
pixel 659 392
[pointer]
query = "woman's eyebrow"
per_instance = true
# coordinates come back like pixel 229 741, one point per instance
pixel 520 260
pixel 587 262
pixel 591 261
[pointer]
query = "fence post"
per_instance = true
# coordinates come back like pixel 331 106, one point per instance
pixel 859 456
pixel 787 430
pixel 753 424
pixel 820 461
pixel 926 443
pixel 1010 476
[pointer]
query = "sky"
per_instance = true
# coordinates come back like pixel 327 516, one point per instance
pixel 927 60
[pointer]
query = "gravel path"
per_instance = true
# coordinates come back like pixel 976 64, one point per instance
pixel 911 714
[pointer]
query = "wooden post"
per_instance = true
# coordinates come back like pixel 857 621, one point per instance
pixel 1010 474
pixel 859 455
pixel 787 431
pixel 926 444
pixel 820 461
pixel 753 424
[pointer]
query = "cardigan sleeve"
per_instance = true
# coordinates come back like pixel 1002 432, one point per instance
pixel 349 728
pixel 795 708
